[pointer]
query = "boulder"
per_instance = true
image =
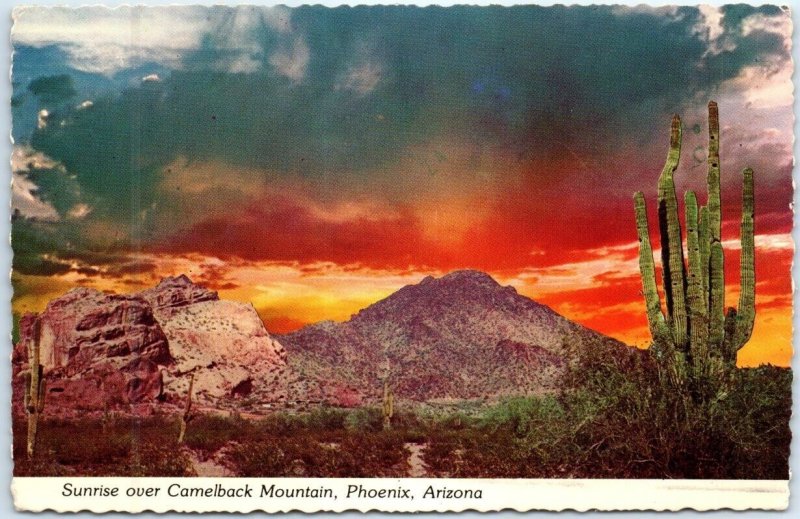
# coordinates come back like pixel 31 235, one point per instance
pixel 226 346
pixel 97 349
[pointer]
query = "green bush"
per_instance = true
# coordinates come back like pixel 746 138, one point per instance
pixel 151 458
pixel 325 419
pixel 632 421
pixel 523 416
pixel 259 459
pixel 364 419
pixel 209 433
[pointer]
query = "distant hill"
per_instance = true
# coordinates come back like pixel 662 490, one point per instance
pixel 461 336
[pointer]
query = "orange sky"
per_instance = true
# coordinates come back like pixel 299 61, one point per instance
pixel 602 292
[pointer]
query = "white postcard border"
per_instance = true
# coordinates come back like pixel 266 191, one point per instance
pixel 243 495
pixel 31 493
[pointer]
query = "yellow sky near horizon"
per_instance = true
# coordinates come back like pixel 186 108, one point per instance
pixel 289 295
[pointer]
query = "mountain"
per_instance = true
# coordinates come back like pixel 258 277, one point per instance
pixel 462 336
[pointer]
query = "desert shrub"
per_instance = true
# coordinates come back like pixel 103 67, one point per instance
pixel 445 451
pixel 380 454
pixel 279 424
pixel 454 421
pixel 364 419
pixel 757 414
pixel 500 453
pixel 324 419
pixel 121 446
pixel 41 466
pixel 42 463
pixel 410 425
pixel 209 433
pixel 258 459
pixel 158 459
pixel 492 459
pixel 82 445
pixel 358 455
pixel 287 423
pixel 524 416
pixel 632 421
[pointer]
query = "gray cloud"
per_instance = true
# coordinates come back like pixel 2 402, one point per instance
pixel 298 92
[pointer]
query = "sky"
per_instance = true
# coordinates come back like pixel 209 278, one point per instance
pixel 313 160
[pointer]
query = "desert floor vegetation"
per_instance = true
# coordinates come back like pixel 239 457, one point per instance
pixel 614 417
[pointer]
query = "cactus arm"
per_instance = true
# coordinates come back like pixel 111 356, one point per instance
pixel 705 257
pixel 33 426
pixel 41 390
pixel 746 313
pixel 716 312
pixel 729 348
pixel 716 264
pixel 388 406
pixel 188 407
pixel 655 317
pixel 697 319
pixel 182 432
pixel 671 243
pixel 27 402
pixel 714 204
pixel 34 367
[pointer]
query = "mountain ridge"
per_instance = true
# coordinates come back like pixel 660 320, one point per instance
pixel 446 337
pixel 460 336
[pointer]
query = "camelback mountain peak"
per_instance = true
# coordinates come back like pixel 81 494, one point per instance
pixel 461 336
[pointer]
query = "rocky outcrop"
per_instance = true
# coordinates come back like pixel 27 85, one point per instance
pixel 103 350
pixel 226 346
pixel 98 349
pixel 85 325
pixel 173 293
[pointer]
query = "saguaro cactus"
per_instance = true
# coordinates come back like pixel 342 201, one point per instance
pixel 34 387
pixel 388 405
pixel 695 330
pixel 186 416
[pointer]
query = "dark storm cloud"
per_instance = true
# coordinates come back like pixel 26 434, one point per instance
pixel 540 79
pixel 34 245
pixel 347 91
pixel 53 89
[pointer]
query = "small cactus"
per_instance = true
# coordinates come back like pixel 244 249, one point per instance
pixel 187 415
pixel 388 406
pixel 34 387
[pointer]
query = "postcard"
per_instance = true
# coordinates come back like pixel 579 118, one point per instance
pixel 401 258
